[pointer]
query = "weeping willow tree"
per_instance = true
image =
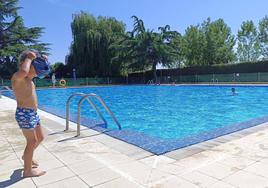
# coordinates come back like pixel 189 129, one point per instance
pixel 90 54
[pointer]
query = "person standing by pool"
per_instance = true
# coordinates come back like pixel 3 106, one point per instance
pixel 53 79
pixel 26 112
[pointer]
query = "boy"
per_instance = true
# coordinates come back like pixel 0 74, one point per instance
pixel 26 113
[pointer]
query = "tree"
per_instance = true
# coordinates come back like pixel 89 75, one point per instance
pixel 15 37
pixel 142 49
pixel 248 42
pixel 59 69
pixel 263 36
pixel 219 42
pixel 207 44
pixel 192 46
pixel 90 53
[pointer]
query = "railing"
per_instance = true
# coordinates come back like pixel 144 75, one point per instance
pixel 257 77
pixel 214 80
pixel 5 88
pixel 150 82
pixel 87 97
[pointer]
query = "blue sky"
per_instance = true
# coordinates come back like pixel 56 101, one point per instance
pixel 56 15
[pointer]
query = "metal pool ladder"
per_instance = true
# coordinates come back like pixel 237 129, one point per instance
pixel 87 97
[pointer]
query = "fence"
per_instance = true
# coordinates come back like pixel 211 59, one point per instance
pixel 260 77
pixel 72 82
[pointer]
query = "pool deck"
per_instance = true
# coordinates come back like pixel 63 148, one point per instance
pixel 97 160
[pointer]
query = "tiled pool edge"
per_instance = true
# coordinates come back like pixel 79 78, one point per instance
pixel 210 144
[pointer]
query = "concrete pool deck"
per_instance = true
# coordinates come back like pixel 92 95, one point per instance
pixel 97 160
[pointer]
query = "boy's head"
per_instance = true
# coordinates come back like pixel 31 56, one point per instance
pixel 39 66
pixel 22 57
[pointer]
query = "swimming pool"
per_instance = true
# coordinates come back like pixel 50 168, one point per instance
pixel 163 118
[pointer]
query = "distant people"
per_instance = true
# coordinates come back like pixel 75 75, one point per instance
pixel 233 91
pixel 53 79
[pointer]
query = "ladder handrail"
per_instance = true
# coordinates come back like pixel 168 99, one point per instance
pixel 108 110
pixel 86 97
pixel 5 88
pixel 68 108
pixel 93 105
pixel 213 80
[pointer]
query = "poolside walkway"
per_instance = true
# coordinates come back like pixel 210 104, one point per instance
pixel 96 160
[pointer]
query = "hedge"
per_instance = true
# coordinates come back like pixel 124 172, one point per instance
pixel 260 66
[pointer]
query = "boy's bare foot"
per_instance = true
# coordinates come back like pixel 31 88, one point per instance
pixel 33 173
pixel 34 163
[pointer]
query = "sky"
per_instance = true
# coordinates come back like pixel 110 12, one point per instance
pixel 56 15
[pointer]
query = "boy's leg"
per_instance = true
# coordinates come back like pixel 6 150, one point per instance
pixel 40 137
pixel 31 139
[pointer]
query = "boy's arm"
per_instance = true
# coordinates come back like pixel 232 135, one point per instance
pixel 25 65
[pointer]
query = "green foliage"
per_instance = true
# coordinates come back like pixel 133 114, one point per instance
pixel 248 49
pixel 15 37
pixel 263 36
pixel 219 43
pixel 61 70
pixel 142 48
pixel 192 46
pixel 90 53
pixel 56 66
pixel 208 44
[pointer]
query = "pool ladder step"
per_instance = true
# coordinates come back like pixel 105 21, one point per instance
pixel 87 97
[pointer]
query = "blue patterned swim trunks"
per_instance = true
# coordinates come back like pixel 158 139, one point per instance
pixel 27 118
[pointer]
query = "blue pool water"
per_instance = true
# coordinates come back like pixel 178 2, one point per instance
pixel 167 116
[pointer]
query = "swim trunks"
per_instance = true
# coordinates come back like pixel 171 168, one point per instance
pixel 27 118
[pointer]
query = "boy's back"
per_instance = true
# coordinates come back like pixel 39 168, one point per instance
pixel 24 90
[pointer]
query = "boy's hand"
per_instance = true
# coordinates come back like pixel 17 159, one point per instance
pixel 31 55
pixel 45 57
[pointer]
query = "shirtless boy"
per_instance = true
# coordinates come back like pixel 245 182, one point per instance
pixel 26 113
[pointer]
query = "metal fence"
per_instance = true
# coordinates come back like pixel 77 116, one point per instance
pixel 260 77
pixel 72 82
